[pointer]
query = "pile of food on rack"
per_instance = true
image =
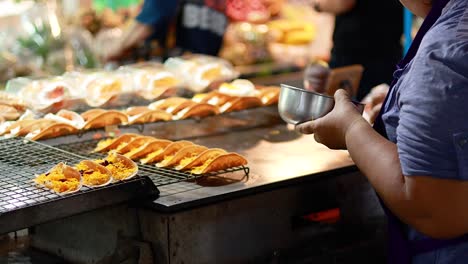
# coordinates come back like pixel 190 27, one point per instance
pixel 65 179
pixel 235 96
pixel 179 155
pixel 11 108
pixel 119 165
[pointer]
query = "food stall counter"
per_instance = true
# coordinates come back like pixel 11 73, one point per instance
pixel 277 155
pixel 300 200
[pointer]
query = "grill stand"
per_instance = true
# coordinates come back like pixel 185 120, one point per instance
pixel 110 235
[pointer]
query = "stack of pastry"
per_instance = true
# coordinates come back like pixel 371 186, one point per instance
pixel 236 96
pixel 179 155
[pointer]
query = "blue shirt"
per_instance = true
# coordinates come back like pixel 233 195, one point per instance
pixel 159 15
pixel 426 114
pixel 200 24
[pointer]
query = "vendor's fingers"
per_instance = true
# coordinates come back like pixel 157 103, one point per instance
pixel 315 77
pixel 316 71
pixel 381 88
pixel 374 113
pixel 314 85
pixel 341 95
pixel 306 128
pixel 377 94
pixel 317 138
pixel 308 85
pixel 378 98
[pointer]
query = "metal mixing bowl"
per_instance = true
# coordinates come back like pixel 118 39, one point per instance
pixel 298 105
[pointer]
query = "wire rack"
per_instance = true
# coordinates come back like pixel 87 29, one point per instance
pixel 159 176
pixel 20 161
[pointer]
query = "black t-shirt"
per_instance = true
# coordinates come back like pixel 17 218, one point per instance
pixel 201 25
pixel 372 28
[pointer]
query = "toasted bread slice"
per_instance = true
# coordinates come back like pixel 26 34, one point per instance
pixel 170 150
pixel 144 150
pixel 9 112
pixel 92 113
pixel 164 104
pixel 150 116
pixel 52 131
pixel 135 143
pixel 241 103
pixel 197 110
pixel 213 98
pixel 206 155
pixel 38 124
pixel 191 151
pixel 107 118
pixel 136 110
pixel 15 126
pixel 113 143
pixel 220 163
pixel 269 95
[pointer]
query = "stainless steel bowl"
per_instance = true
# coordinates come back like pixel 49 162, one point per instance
pixel 298 105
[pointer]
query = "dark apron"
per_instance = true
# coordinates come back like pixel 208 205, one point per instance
pixel 400 249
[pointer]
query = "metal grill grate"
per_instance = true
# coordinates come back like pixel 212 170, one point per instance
pixel 159 176
pixel 23 203
pixel 20 160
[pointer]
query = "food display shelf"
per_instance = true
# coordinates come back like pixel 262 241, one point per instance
pixel 25 204
pixel 159 176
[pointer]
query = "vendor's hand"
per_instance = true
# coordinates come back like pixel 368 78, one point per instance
pixel 374 101
pixel 315 77
pixel 112 52
pixel 373 113
pixel 331 129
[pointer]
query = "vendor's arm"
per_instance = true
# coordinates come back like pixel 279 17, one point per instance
pixel 434 206
pixel 335 7
pixel 154 14
pixel 423 178
pixel 134 34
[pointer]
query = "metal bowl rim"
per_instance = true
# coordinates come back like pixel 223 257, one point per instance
pixel 303 90
pixel 315 93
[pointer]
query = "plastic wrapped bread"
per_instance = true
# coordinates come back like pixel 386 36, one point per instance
pixel 199 71
pixel 103 88
pixel 151 80
pixel 44 94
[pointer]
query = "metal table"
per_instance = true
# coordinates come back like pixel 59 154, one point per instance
pixel 277 156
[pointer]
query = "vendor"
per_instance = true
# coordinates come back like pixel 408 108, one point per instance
pixel 417 158
pixel 365 36
pixel 200 26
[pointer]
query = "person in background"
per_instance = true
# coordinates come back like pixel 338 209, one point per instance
pixel 317 75
pixel 367 32
pixel 416 156
pixel 200 26
pixel 374 101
